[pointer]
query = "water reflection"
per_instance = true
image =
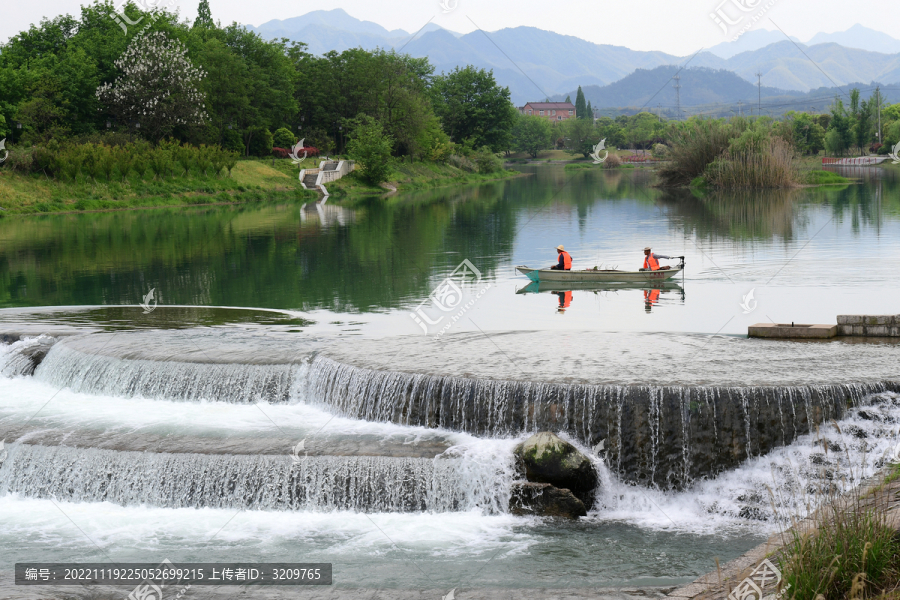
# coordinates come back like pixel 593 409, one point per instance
pixel 652 292
pixel 380 254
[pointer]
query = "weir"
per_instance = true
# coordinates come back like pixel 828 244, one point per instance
pixel 451 482
pixel 664 436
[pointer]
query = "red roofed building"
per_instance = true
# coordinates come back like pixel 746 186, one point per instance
pixel 552 111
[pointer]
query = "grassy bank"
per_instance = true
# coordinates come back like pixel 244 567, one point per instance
pixel 414 176
pixel 250 181
pixel 854 550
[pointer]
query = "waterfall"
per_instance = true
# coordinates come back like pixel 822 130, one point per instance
pixel 169 380
pixel 458 480
pixel 663 436
pixel 22 356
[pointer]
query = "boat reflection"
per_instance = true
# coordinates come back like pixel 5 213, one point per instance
pixel 652 291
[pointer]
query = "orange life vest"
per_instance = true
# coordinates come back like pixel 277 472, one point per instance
pixel 651 296
pixel 651 263
pixel 567 260
pixel 566 300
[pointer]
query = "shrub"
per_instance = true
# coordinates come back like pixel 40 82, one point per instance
pixel 280 152
pixel 20 159
pixel 769 166
pixel 693 148
pixel 612 161
pixel 260 142
pixel 284 138
pixel 486 162
pixel 660 151
pixel 371 148
pixel 461 162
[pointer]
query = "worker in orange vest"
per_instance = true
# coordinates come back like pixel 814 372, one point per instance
pixel 565 300
pixel 651 260
pixel 565 260
pixel 651 298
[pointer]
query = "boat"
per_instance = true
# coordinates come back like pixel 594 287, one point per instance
pixel 599 275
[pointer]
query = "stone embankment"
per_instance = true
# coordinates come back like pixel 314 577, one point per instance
pixel 882 326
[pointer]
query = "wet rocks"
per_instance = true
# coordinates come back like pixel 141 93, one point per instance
pixel 545 458
pixel 25 354
pixel 544 500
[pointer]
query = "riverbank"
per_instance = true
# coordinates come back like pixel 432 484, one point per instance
pixel 848 518
pixel 250 181
pixel 414 176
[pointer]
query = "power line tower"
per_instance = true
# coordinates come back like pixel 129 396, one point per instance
pixel 677 79
pixel 759 93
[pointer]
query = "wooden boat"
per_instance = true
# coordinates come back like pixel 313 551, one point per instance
pixel 599 275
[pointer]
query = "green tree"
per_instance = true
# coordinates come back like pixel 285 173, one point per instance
pixel 283 138
pixel 581 135
pixel 204 16
pixel 590 112
pixel 839 137
pixel 472 106
pixel 371 148
pixel 580 106
pixel 531 134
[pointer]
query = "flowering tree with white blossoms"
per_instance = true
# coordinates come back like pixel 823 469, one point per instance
pixel 158 88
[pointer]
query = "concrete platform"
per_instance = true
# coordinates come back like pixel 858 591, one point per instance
pixel 792 331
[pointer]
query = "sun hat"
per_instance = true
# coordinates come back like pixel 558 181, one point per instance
pixel 646 247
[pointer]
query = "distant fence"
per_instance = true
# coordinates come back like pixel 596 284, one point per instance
pixel 635 158
pixel 862 160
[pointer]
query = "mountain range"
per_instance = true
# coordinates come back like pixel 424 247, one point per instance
pixel 536 64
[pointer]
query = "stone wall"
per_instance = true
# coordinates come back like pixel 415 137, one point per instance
pixel 869 325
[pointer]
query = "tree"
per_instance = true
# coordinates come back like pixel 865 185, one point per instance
pixel 283 138
pixel 158 89
pixel 839 137
pixel 371 148
pixel 472 106
pixel 531 134
pixel 580 106
pixel 582 136
pixel 590 112
pixel 568 98
pixel 204 16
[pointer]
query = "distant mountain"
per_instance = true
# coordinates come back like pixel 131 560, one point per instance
pixel 336 19
pixel 859 37
pixel 709 92
pixel 751 40
pixel 699 86
pixel 535 63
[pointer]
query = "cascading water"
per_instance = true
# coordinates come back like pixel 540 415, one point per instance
pixel 461 479
pixel 171 380
pixel 22 356
pixel 665 436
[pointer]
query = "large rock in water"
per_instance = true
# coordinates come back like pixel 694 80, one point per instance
pixel 546 458
pixel 544 500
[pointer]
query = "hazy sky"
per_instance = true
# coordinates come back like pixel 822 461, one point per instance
pixel 677 26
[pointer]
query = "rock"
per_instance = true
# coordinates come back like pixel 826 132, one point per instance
pixel 544 500
pixel 545 458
